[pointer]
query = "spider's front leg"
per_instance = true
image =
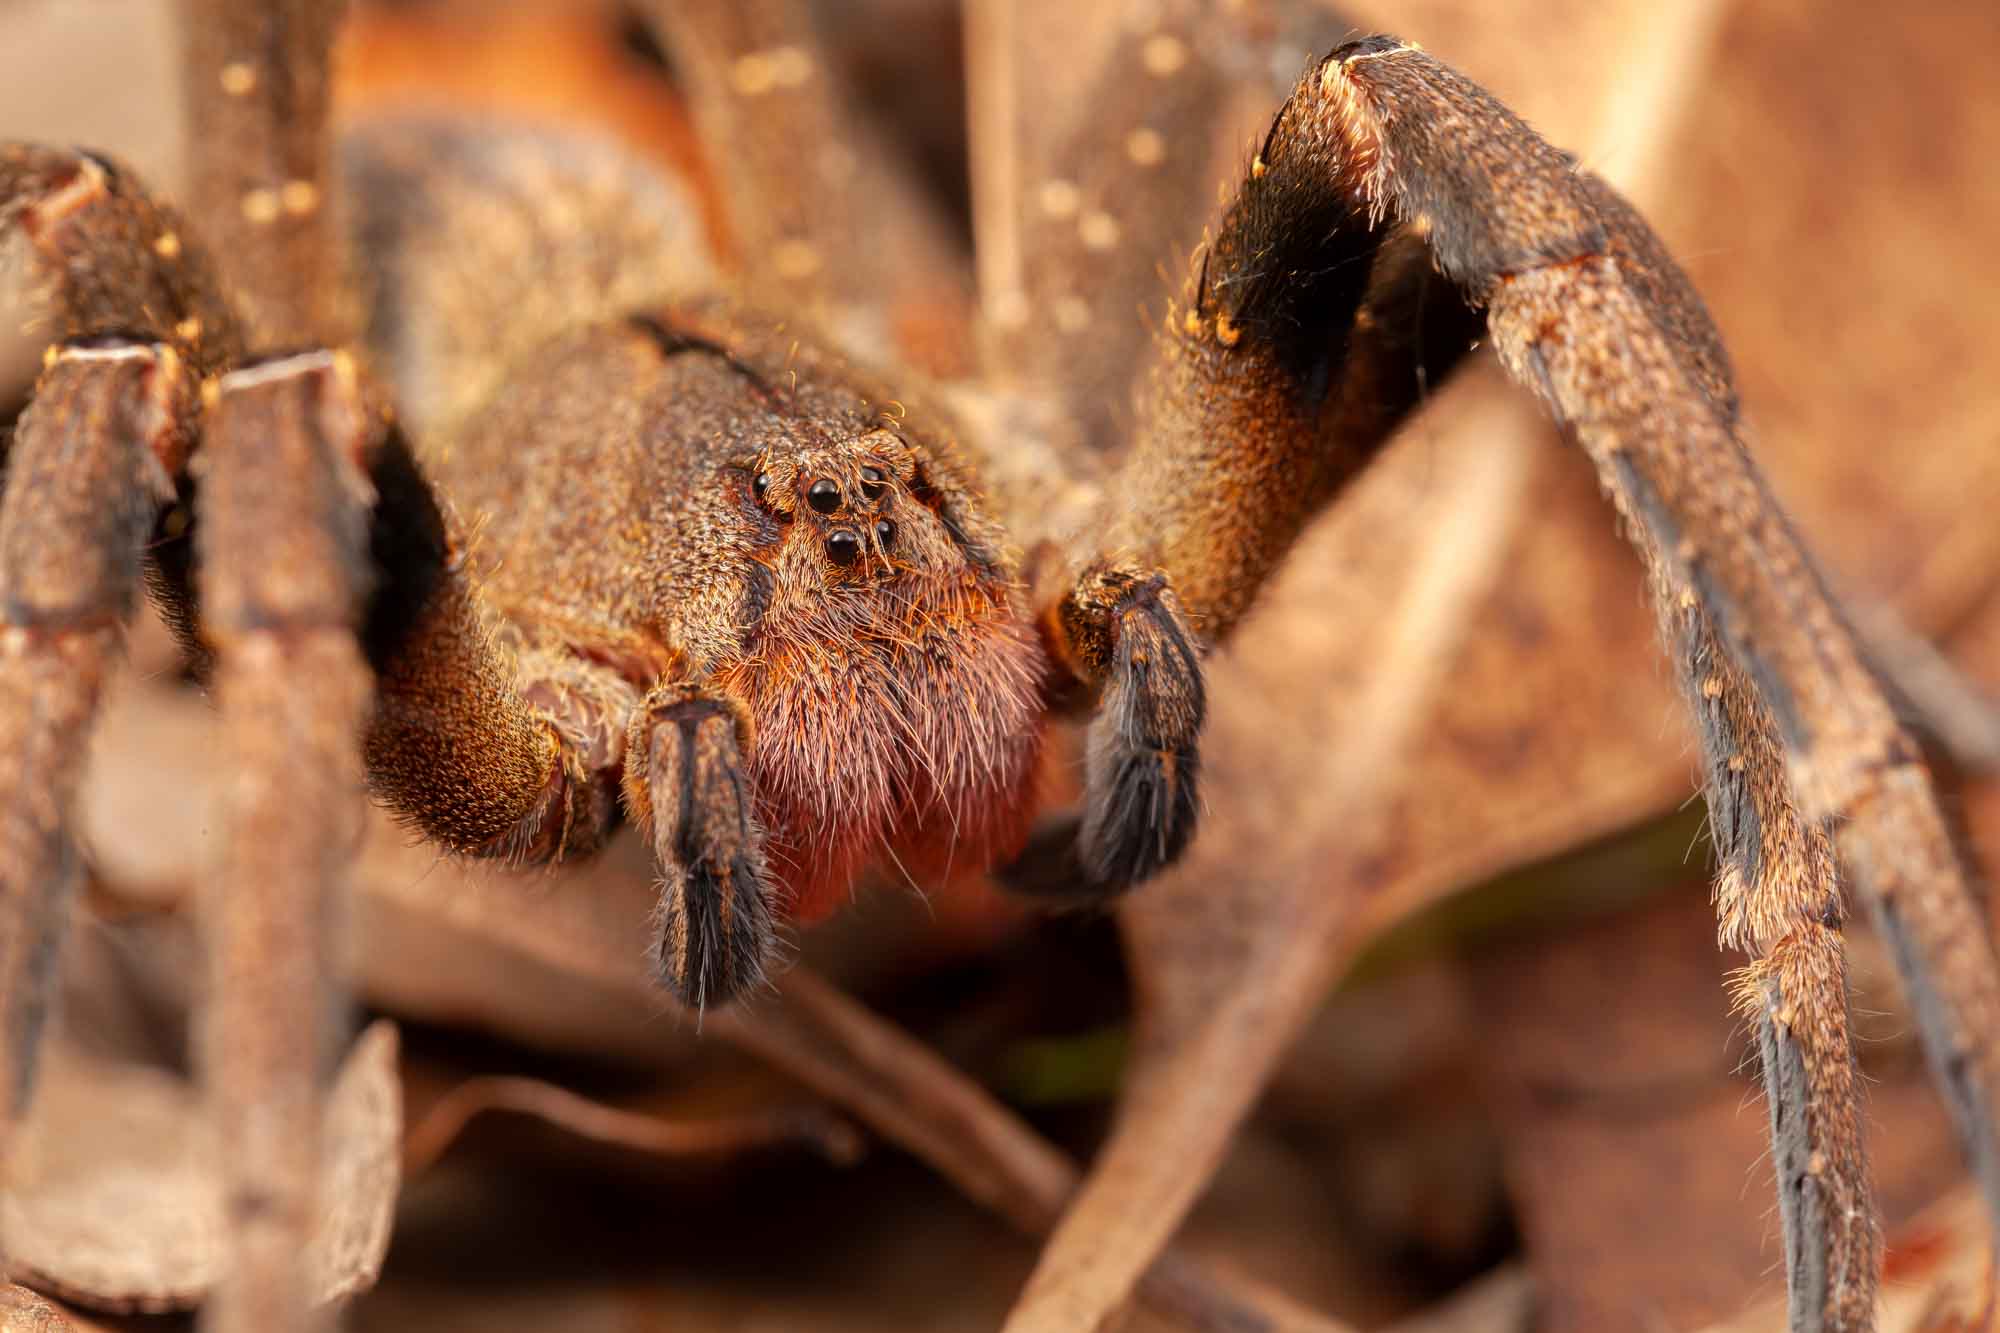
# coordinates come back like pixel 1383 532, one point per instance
pixel 1272 387
pixel 687 782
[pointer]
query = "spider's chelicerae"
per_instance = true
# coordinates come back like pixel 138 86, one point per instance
pixel 455 459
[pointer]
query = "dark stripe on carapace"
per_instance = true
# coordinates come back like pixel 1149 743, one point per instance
pixel 672 343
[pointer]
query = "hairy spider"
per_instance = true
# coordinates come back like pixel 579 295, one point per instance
pixel 630 546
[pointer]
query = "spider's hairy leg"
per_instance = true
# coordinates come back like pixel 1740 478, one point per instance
pixel 256 83
pixel 454 746
pixel 1272 386
pixel 282 552
pixel 91 464
pixel 1587 309
pixel 1777 899
pixel 1095 136
pixel 280 573
pixel 1304 338
pixel 687 784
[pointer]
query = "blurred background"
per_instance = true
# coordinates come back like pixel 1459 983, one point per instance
pixel 1524 1103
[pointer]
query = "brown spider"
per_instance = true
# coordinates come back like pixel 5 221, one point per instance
pixel 631 549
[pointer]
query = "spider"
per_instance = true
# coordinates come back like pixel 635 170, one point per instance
pixel 513 501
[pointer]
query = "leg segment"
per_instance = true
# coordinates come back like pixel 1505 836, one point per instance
pixel 1288 368
pixel 283 566
pixel 256 79
pixel 1304 338
pixel 115 262
pixel 295 452
pixel 90 465
pixel 282 552
pixel 686 783
pixel 91 461
pixel 1097 133
pixel 1777 899
pixel 454 746
pixel 1248 427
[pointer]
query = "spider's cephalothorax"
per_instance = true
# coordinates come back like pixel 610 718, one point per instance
pixel 788 631
pixel 636 551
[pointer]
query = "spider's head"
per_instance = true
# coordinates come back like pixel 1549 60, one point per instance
pixel 849 515
pixel 893 675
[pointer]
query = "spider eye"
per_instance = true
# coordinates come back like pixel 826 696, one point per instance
pixel 885 534
pixel 873 483
pixel 824 495
pixel 842 546
pixel 761 484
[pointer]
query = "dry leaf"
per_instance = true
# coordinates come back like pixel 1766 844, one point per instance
pixel 1231 956
pixel 114 1203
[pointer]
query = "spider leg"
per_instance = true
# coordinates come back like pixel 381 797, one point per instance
pixel 256 79
pixel 1587 310
pixel 280 572
pixel 1248 426
pixel 283 567
pixel 91 462
pixel 1277 381
pixel 687 784
pixel 1096 135
pixel 1778 899
pixel 822 215
pixel 305 495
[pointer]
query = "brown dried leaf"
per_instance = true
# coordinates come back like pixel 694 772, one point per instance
pixel 114 1202
pixel 1833 200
